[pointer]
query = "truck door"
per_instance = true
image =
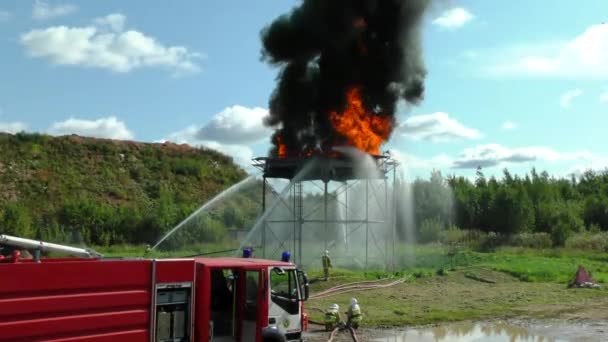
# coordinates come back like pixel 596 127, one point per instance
pixel 284 306
pixel 223 304
pixel 251 304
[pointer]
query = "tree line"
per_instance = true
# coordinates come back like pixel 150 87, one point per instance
pixel 511 205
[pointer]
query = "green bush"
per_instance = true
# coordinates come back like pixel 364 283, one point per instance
pixel 588 241
pixel 489 242
pixel 453 235
pixel 16 220
pixel 430 230
pixel 532 240
pixel 186 167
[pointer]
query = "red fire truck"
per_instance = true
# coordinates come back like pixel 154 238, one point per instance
pixel 89 298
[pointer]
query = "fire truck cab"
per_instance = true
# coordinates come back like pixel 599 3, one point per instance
pixel 190 299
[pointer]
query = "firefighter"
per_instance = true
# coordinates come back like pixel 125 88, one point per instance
pixel 332 317
pixel 354 314
pixel 326 264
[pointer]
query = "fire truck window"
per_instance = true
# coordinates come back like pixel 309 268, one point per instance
pixel 222 302
pixel 284 291
pixel 251 295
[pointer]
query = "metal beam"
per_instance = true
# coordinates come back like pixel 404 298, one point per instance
pixel 264 223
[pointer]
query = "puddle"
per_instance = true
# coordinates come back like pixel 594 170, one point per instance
pixel 485 331
pixel 497 332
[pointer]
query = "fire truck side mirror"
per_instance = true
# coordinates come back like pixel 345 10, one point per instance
pixel 304 289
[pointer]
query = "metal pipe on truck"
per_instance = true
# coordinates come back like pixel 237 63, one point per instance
pixel 47 247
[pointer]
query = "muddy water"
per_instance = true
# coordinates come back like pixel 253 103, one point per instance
pixel 545 331
pixel 465 332
pixel 492 331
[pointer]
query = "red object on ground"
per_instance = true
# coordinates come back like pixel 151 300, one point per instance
pixel 582 276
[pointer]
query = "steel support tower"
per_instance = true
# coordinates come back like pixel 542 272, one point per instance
pixel 334 178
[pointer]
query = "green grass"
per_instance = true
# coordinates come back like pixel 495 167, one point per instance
pixel 530 265
pixel 126 250
pixel 510 282
pixel 544 266
pixel 453 298
pixel 456 297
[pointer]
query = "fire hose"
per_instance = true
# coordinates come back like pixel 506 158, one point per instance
pixel 340 328
pixel 350 287
pixel 368 282
pixel 359 286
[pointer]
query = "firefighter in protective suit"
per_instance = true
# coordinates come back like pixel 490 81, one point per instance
pixel 326 264
pixel 332 317
pixel 354 314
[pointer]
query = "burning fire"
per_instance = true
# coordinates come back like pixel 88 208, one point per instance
pixel 282 148
pixel 362 129
pixel 282 151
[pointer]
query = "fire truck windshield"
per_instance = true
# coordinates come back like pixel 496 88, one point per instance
pixel 284 289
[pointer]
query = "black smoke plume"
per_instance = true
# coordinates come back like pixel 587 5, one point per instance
pixel 325 47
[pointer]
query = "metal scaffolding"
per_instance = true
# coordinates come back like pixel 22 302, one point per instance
pixel 334 178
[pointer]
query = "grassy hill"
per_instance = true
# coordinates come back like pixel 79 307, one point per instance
pixel 105 192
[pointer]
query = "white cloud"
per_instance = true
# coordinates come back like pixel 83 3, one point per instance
pixel 580 57
pixel 490 155
pixel 604 97
pixel 108 128
pixel 508 125
pixel 236 125
pixel 566 99
pixel 436 127
pixel 106 45
pixel 598 165
pixel 114 21
pixel 454 18
pixel 231 131
pixel 242 154
pixel 43 10
pixel 4 16
pixel 12 127
pixel 410 161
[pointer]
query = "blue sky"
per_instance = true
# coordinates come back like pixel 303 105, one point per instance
pixel 511 84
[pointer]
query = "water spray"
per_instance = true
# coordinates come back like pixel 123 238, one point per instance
pixel 204 207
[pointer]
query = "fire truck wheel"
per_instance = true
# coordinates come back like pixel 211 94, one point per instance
pixel 272 335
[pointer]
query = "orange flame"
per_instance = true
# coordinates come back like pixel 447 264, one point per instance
pixel 282 148
pixel 363 130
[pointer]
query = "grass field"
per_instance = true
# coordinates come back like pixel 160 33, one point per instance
pixel 456 296
pixel 510 282
pixel 529 265
pixel 193 250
